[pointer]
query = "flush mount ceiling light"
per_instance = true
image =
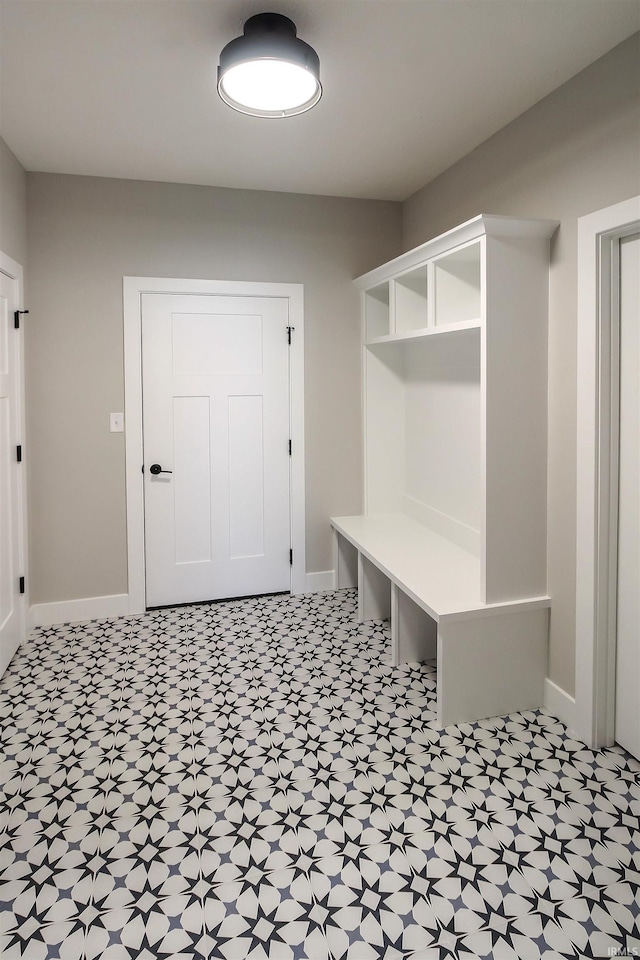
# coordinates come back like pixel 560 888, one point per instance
pixel 269 71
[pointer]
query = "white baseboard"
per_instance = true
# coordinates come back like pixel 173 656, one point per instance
pixel 558 702
pixel 75 611
pixel 320 581
pixel 100 608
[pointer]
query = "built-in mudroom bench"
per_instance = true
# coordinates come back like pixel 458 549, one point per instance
pixel 452 543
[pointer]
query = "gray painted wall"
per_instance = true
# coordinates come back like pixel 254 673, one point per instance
pixel 85 234
pixel 13 207
pixel 576 151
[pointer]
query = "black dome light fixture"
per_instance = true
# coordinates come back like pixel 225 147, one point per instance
pixel 269 71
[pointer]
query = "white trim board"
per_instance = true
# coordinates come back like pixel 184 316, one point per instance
pixel 558 702
pixel 118 605
pixel 12 269
pixel 78 611
pixel 133 288
pixel 598 236
pixel 320 581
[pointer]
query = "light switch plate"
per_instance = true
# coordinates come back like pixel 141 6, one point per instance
pixel 116 421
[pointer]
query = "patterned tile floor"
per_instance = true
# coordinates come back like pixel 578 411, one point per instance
pixel 250 779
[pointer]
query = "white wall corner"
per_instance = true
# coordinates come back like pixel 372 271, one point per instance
pixel 320 581
pixel 561 704
pixel 77 611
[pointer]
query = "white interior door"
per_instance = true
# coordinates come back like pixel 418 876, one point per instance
pixel 215 374
pixel 12 619
pixel 627 712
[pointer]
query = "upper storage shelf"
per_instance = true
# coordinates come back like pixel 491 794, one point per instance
pixel 410 300
pixel 439 286
pixel 377 311
pixel 457 287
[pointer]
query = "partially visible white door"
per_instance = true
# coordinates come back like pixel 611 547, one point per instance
pixel 215 375
pixel 627 713
pixel 12 613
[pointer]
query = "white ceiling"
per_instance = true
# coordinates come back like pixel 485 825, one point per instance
pixel 127 88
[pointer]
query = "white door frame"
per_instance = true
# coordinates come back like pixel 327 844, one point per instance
pixel 14 271
pixel 133 288
pixel 599 234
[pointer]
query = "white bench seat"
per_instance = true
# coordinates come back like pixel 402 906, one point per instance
pixel 491 657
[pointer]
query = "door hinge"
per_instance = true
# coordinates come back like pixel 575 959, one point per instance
pixel 291 557
pixel 290 447
pixel 16 318
pixel 21 582
pixel 289 331
pixel 19 453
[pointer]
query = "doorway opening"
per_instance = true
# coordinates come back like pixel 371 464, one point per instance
pixel 600 236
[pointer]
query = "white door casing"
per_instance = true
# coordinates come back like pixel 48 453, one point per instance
pixel 134 288
pixel 12 473
pixel 215 374
pixel 627 681
pixel 599 236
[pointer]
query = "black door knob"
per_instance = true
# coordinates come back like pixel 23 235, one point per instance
pixel 155 469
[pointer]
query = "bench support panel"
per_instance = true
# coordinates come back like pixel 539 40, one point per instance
pixel 374 592
pixel 491 666
pixel 413 632
pixel 345 562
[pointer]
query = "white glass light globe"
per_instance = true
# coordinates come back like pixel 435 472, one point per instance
pixel 270 87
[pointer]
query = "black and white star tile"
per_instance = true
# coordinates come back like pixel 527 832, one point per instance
pixel 252 780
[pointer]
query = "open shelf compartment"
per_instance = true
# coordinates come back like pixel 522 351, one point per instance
pixel 376 312
pixel 457 285
pixel 411 305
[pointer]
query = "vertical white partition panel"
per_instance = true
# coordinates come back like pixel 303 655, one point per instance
pixel 413 632
pixel 491 665
pixel 374 592
pixel 515 418
pixel 345 562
